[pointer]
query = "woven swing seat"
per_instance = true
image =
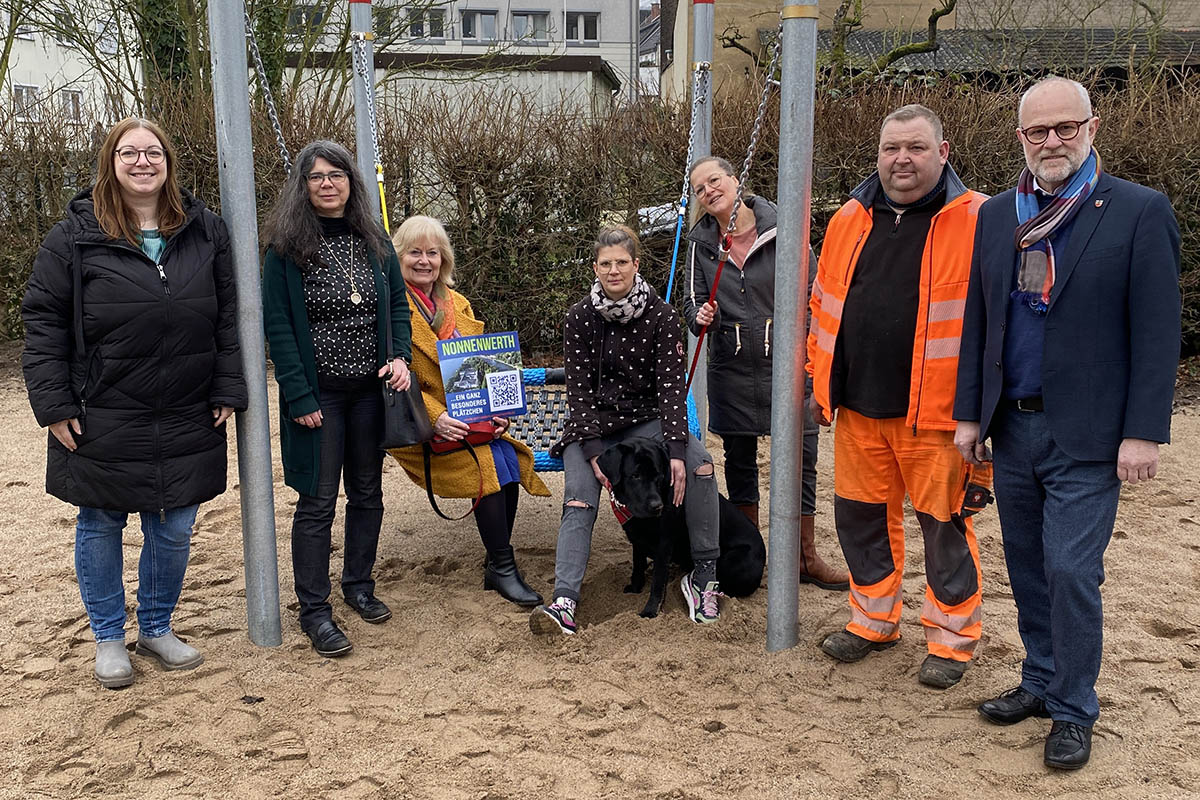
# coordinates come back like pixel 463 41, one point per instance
pixel 542 425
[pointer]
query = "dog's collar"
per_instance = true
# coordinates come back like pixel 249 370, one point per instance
pixel 619 509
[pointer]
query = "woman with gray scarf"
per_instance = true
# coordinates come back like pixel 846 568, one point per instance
pixel 624 357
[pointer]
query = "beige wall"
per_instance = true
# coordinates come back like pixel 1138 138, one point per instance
pixel 730 66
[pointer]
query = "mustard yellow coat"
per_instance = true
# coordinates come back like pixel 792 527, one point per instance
pixel 454 474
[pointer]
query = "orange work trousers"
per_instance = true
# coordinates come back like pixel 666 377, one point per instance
pixel 877 462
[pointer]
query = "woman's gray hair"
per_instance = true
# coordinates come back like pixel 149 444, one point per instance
pixel 293 228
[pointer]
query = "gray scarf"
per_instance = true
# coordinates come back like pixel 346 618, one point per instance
pixel 629 307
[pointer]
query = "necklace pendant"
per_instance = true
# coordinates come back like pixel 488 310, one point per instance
pixel 355 298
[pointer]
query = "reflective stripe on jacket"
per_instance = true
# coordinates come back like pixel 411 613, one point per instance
pixel 945 269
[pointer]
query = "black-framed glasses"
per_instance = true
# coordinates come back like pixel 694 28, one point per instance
pixel 336 177
pixel 130 155
pixel 1065 131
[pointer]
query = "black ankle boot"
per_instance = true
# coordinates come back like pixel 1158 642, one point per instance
pixel 501 574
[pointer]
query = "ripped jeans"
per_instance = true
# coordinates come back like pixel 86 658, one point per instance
pixel 580 484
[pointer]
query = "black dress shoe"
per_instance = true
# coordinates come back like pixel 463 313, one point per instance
pixel 1069 746
pixel 1013 706
pixel 369 607
pixel 328 640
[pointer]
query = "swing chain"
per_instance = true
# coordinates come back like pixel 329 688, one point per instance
pixel 699 96
pixel 264 85
pixel 757 131
pixel 359 57
pixel 360 66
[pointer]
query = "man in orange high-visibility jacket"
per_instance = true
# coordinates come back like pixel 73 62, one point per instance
pixel 887 310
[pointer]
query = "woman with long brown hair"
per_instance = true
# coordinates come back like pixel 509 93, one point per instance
pixel 131 360
pixel 331 283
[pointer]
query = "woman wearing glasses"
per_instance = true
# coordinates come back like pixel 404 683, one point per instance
pixel 131 360
pixel 623 352
pixel 330 281
pixel 740 343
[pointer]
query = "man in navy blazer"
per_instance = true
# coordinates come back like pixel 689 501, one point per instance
pixel 1069 351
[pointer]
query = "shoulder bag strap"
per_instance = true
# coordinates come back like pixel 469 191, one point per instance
pixel 428 453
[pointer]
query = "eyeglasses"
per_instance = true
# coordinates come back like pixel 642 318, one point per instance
pixel 1065 131
pixel 337 177
pixel 619 265
pixel 130 155
pixel 713 182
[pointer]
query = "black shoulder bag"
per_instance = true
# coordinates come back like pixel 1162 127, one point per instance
pixel 405 420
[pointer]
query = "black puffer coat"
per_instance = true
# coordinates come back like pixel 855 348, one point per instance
pixel 741 338
pixel 140 357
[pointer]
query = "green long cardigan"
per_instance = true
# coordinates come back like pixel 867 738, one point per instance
pixel 290 337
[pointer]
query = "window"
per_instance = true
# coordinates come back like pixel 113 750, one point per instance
pixel 106 37
pixel 303 19
pixel 24 30
pixel 64 24
pixel 479 25
pixel 583 27
pixel 25 102
pixel 429 23
pixel 72 105
pixel 383 20
pixel 531 25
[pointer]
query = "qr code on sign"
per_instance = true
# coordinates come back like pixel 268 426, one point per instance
pixel 505 391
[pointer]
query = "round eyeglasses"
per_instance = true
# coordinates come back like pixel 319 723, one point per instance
pixel 130 155
pixel 1065 131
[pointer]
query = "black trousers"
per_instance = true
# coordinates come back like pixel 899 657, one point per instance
pixel 350 453
pixel 495 515
pixel 741 471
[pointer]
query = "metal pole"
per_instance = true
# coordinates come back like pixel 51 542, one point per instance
pixel 235 157
pixel 797 89
pixel 702 50
pixel 360 22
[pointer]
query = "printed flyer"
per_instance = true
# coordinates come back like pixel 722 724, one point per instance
pixel 482 375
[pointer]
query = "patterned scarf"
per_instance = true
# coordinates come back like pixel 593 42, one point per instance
pixel 1035 276
pixel 437 310
pixel 629 307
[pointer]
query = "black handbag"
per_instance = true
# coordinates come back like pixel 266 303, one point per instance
pixel 405 420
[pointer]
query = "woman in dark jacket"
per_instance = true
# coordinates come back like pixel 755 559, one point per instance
pixel 623 352
pixel 330 280
pixel 740 344
pixel 131 360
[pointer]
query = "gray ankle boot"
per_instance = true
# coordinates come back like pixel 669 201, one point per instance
pixel 170 652
pixel 113 669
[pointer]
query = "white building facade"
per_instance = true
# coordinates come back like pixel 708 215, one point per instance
pixel 65 64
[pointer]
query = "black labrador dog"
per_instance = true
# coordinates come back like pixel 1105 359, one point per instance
pixel 639 470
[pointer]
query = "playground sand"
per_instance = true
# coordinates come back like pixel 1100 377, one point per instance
pixel 453 698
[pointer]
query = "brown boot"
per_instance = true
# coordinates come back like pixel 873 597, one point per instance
pixel 812 568
pixel 751 512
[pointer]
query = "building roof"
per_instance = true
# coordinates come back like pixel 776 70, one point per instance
pixel 649 36
pixel 485 62
pixel 1019 50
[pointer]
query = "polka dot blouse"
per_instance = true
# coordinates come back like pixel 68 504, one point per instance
pixel 344 332
pixel 619 375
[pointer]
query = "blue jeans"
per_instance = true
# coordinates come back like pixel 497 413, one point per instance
pixel 98 565
pixel 1056 517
